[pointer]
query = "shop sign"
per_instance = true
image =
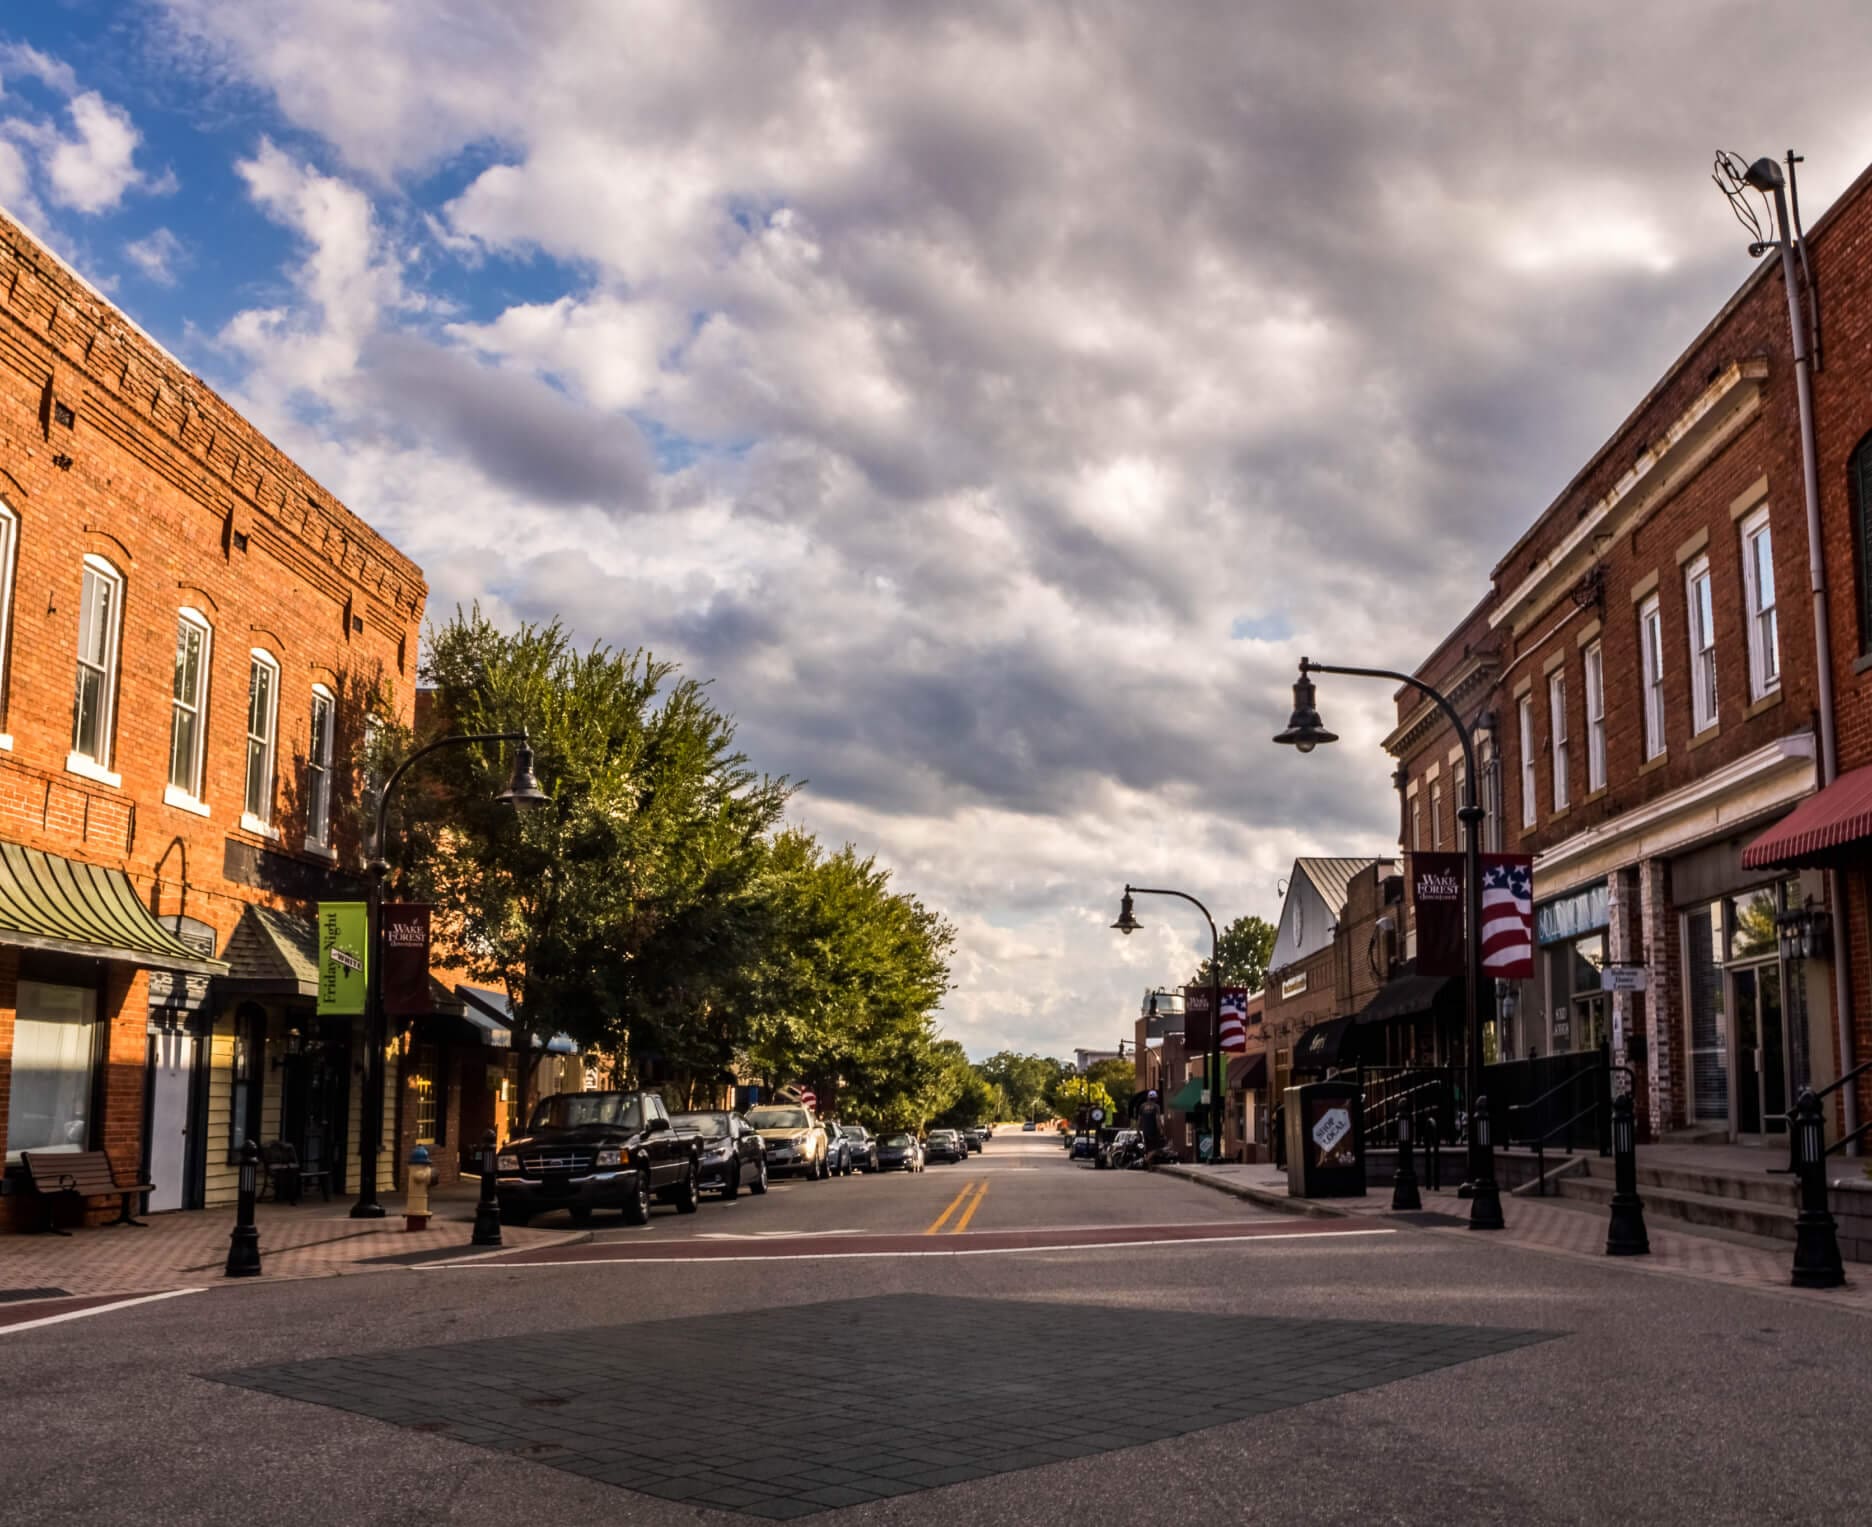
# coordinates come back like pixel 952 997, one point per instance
pixel 1332 1127
pixel 1622 978
pixel 173 991
pixel 1571 917
pixel 344 947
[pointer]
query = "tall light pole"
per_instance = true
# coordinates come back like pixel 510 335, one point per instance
pixel 522 793
pixel 1128 924
pixel 1305 732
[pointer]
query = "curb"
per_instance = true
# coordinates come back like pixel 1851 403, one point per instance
pixel 1265 1197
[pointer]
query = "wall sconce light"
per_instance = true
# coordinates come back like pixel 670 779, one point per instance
pixel 1805 933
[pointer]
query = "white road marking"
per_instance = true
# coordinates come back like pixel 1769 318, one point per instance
pixel 942 1247
pixel 96 1309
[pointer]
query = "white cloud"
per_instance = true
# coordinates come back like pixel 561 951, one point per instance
pixel 157 255
pixel 88 167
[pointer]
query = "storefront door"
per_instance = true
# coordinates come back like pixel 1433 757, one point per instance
pixel 172 1078
pixel 1761 1051
pixel 313 1107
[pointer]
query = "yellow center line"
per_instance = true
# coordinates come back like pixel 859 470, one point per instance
pixel 954 1203
pixel 969 1213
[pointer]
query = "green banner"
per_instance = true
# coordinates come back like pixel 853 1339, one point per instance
pixel 344 956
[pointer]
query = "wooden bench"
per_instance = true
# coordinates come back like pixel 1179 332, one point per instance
pixel 81 1175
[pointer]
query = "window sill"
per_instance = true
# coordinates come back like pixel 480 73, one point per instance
pixel 1559 812
pixel 329 855
pixel 90 768
pixel 1593 795
pixel 251 823
pixel 1766 703
pixel 1708 735
pixel 6 742
pixel 183 801
pixel 1862 662
pixel 1654 763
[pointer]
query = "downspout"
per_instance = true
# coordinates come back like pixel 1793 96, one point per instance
pixel 1823 652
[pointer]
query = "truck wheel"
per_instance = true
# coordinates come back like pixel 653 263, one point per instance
pixel 759 1185
pixel 637 1206
pixel 688 1197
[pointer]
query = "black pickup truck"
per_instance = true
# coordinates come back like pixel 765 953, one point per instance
pixel 598 1150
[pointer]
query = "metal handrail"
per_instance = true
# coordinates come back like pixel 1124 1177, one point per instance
pixel 1834 1086
pixel 1844 1140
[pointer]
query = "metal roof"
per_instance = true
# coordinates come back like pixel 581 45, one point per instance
pixel 1330 877
pixel 50 902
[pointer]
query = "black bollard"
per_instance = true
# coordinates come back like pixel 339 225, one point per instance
pixel 1484 1197
pixel 1404 1194
pixel 1433 1156
pixel 487 1211
pixel 1816 1238
pixel 1625 1234
pixel 243 1259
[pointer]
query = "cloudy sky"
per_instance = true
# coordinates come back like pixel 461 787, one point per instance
pixel 995 399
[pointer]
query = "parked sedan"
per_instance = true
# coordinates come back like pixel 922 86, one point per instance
pixel 838 1156
pixel 899 1152
pixel 974 1139
pixel 732 1154
pixel 864 1150
pixel 944 1145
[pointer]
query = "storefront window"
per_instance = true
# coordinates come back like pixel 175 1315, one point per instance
pixel 244 1100
pixel 1709 1053
pixel 427 1086
pixel 54 1047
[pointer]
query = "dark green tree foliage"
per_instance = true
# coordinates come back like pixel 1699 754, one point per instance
pixel 1244 946
pixel 1026 1082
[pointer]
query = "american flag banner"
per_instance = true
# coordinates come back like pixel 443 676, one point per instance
pixel 1508 916
pixel 1235 1019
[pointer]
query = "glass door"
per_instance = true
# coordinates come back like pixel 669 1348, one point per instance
pixel 1761 1051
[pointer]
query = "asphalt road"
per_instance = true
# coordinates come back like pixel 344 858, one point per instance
pixel 1279 1375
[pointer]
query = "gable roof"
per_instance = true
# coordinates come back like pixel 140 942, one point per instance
pixel 1330 877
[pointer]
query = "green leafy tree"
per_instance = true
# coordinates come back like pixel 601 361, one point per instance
pixel 1026 1081
pixel 1244 947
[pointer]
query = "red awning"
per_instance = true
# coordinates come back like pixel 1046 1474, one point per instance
pixel 1247 1073
pixel 1816 830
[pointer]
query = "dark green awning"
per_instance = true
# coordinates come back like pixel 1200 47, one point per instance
pixel 50 902
pixel 1189 1096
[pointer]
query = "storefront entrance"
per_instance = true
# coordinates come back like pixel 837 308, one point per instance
pixel 314 1097
pixel 1747 1050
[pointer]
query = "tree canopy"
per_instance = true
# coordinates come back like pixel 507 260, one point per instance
pixel 1244 947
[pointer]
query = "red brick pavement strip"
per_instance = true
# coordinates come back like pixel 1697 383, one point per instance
pixel 974 1243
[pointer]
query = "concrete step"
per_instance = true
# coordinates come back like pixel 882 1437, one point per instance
pixel 1712 1210
pixel 1758 1187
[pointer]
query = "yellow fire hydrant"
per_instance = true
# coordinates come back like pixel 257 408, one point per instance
pixel 416 1197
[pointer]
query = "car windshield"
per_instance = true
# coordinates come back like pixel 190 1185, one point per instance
pixel 852 1131
pixel 576 1110
pixel 898 1141
pixel 778 1118
pixel 711 1126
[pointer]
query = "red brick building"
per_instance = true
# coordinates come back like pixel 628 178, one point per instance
pixel 195 637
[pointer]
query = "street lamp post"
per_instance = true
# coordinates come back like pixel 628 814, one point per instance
pixel 522 793
pixel 1128 924
pixel 1305 732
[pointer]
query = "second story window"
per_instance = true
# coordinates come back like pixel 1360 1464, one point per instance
pixel 100 622
pixel 262 727
pixel 319 770
pixel 9 551
pixel 1525 715
pixel 188 708
pixel 1651 655
pixel 1758 588
pixel 1436 813
pixel 1595 719
pixel 1702 645
pixel 1557 736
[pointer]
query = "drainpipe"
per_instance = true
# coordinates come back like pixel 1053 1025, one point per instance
pixel 1765 175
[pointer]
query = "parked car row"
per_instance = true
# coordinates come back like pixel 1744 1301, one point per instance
pixel 584 1151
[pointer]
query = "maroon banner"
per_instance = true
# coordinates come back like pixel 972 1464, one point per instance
pixel 1195 1019
pixel 1437 892
pixel 406 959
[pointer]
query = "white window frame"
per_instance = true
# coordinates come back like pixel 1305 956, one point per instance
pixel 319 772
pixel 1436 814
pixel 1524 714
pixel 97 766
pixel 1764 620
pixel 1651 660
pixel 251 820
pixel 9 559
pixel 188 795
pixel 1700 603
pixel 1416 822
pixel 1557 738
pixel 1594 662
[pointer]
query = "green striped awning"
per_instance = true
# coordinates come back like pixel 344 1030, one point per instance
pixel 1189 1097
pixel 50 902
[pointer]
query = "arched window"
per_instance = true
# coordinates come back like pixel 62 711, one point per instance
pixel 262 737
pixel 100 627
pixel 1859 472
pixel 188 710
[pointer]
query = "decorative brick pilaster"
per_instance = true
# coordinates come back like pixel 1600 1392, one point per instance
pixel 1663 1005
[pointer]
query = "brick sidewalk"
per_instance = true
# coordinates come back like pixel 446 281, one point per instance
pixel 1564 1228
pixel 189 1249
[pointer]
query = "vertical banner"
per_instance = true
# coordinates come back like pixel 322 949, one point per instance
pixel 406 959
pixel 1195 1019
pixel 1437 892
pixel 1508 916
pixel 344 952
pixel 1235 1019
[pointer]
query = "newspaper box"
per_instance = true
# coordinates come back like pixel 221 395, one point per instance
pixel 1325 1141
